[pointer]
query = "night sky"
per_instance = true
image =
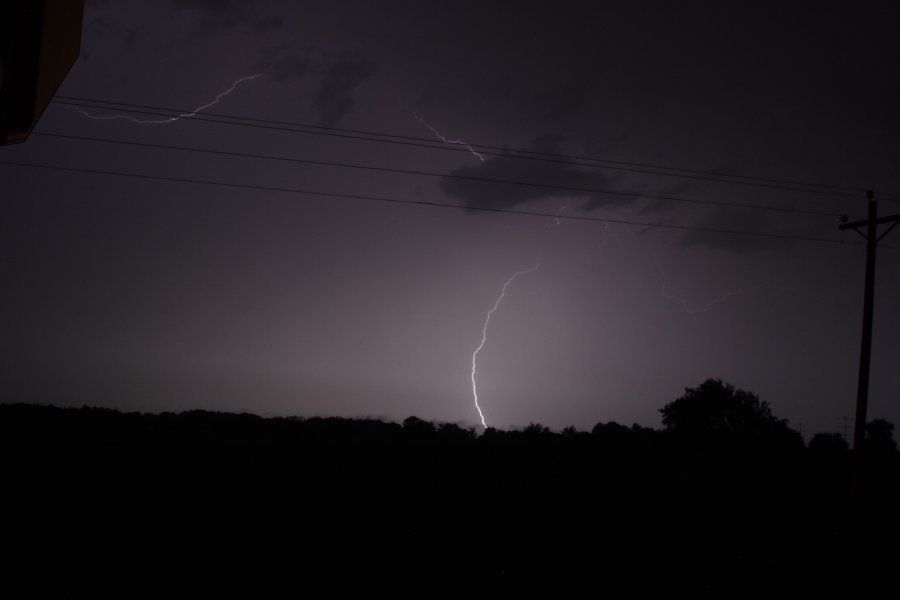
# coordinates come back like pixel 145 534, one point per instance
pixel 153 295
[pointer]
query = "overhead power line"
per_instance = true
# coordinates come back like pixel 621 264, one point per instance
pixel 435 174
pixel 427 203
pixel 498 151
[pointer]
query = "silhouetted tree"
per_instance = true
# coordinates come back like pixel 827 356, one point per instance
pixel 536 429
pixel 417 428
pixel 452 431
pixel 609 429
pixel 610 435
pixel 718 413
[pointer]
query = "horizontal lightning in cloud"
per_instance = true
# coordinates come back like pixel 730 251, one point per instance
pixel 702 308
pixel 173 118
pixel 484 329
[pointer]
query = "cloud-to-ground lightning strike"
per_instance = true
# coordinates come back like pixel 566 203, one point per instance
pixel 487 320
pixel 173 118
pixel 438 135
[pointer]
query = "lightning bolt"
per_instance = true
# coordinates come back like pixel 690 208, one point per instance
pixel 438 135
pixel 704 307
pixel 484 329
pixel 556 216
pixel 176 117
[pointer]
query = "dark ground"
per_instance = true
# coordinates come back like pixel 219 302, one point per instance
pixel 97 499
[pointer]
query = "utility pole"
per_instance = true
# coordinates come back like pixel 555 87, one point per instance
pixel 865 354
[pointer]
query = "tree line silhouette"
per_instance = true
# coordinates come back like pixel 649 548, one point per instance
pixel 93 489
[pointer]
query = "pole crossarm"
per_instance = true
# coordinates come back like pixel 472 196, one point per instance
pixel 888 230
pixel 894 219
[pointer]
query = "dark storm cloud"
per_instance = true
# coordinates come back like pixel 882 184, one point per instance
pixel 658 203
pixel 549 102
pixel 557 172
pixel 425 99
pixel 564 101
pixel 335 97
pixel 269 22
pixel 215 8
pixel 216 13
pixel 101 30
pixel 287 62
pixel 731 219
pixel 98 26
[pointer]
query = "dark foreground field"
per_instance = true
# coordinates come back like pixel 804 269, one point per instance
pixel 96 499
